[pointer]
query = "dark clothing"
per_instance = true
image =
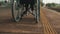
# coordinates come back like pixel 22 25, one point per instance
pixel 27 2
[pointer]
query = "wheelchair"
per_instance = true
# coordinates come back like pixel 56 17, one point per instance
pixel 20 8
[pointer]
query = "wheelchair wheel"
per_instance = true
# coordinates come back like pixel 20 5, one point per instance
pixel 16 11
pixel 37 11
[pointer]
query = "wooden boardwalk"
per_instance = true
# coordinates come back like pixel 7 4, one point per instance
pixel 27 24
pixel 48 29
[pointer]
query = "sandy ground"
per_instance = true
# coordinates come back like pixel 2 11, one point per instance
pixel 26 26
pixel 53 17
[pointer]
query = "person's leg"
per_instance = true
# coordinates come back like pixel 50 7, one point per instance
pixel 32 4
pixel 26 9
pixel 32 7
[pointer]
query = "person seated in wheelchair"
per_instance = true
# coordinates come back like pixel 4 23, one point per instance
pixel 27 3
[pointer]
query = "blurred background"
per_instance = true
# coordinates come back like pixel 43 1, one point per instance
pixel 5 3
pixel 51 4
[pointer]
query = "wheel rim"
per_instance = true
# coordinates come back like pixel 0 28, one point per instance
pixel 16 12
pixel 37 11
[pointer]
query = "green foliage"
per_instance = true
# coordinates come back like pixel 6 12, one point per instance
pixel 1 3
pixel 51 5
pixel 6 4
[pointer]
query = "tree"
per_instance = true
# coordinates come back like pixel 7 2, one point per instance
pixel 48 5
pixel 51 5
